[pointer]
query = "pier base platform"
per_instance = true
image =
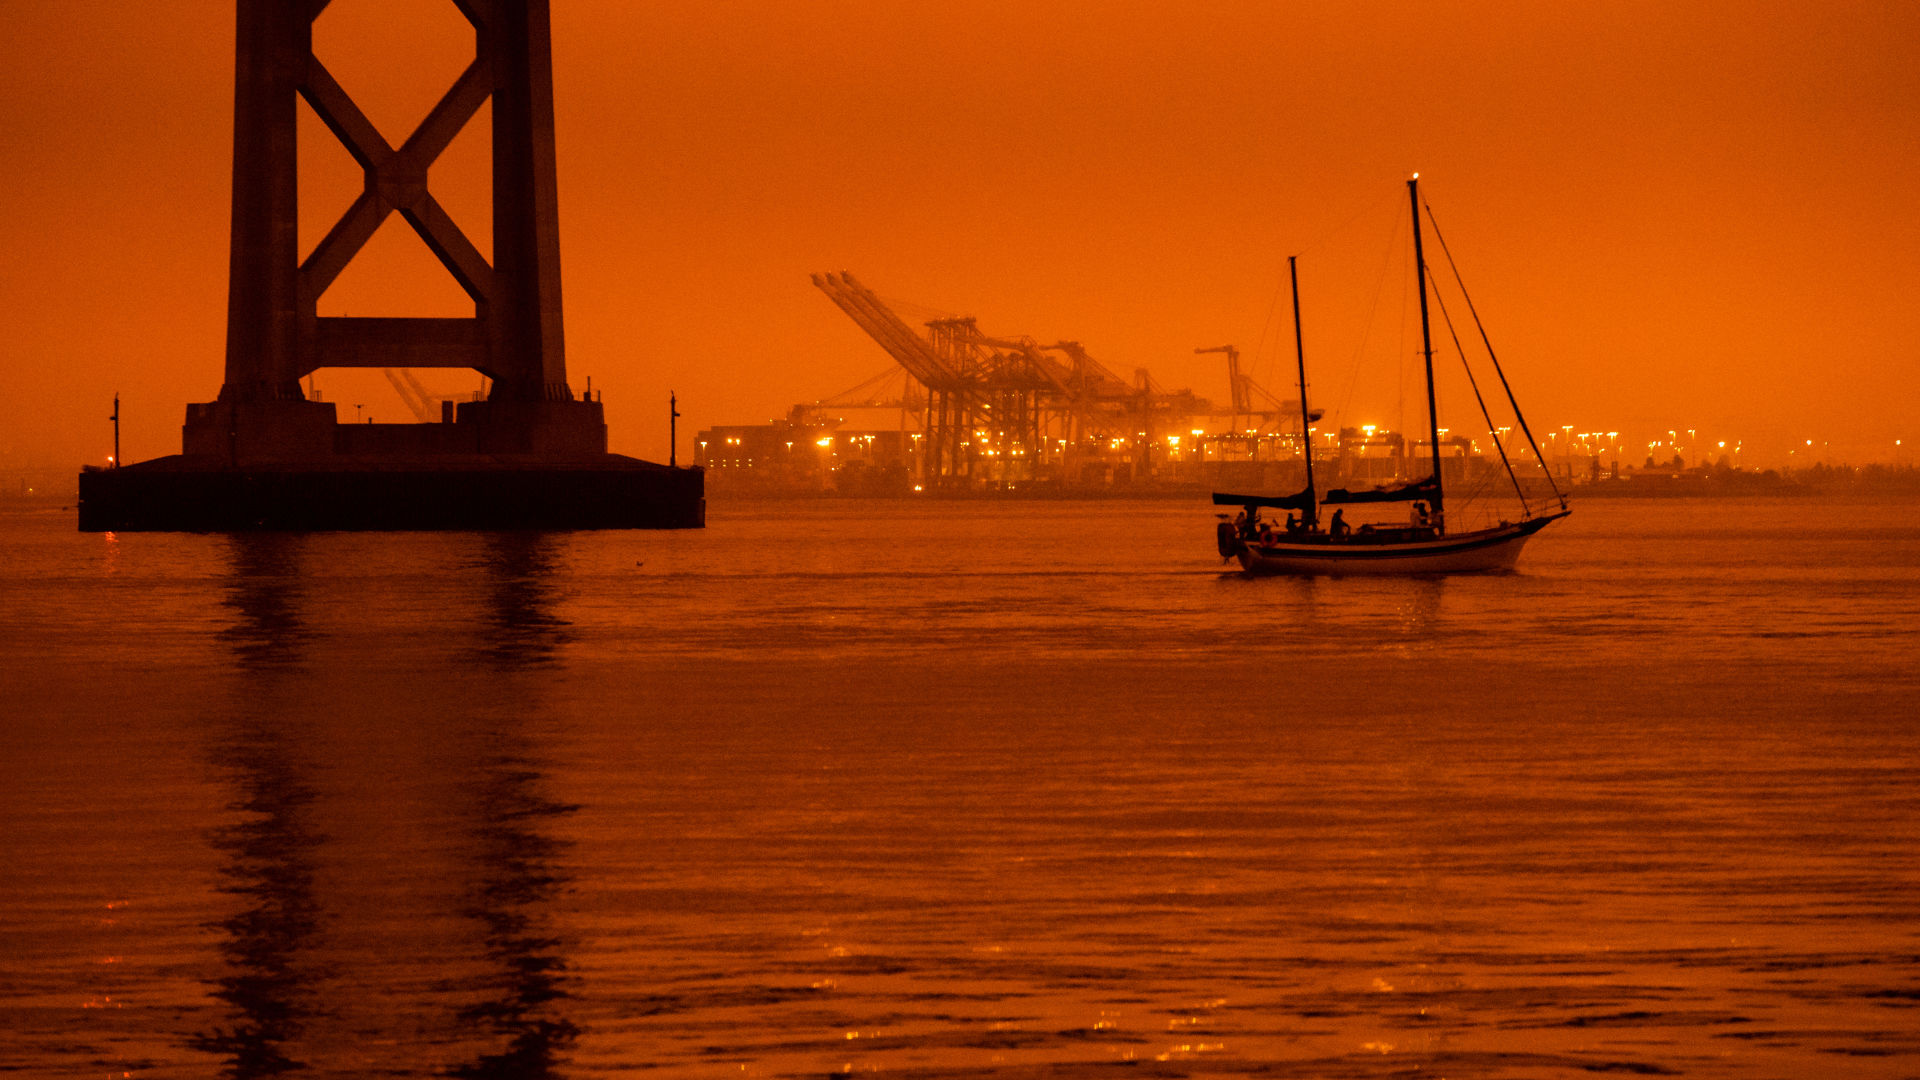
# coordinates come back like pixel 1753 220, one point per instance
pixel 192 493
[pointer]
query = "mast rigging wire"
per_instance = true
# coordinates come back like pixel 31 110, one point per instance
pixel 1511 400
pixel 1440 301
pixel 1395 236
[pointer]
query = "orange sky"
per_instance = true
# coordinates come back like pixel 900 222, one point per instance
pixel 1671 214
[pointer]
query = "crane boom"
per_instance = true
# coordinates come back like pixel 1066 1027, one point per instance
pixel 412 393
pixel 900 342
pixel 1236 382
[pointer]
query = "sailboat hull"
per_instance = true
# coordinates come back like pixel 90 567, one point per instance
pixel 1480 551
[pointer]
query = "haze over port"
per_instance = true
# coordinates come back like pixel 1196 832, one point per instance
pixel 1671 217
pixel 467 748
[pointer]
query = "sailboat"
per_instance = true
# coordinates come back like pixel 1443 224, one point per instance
pixel 1425 545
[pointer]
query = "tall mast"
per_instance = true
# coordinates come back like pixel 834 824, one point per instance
pixel 1312 511
pixel 1426 345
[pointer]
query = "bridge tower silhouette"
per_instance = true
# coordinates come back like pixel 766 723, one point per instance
pixel 530 454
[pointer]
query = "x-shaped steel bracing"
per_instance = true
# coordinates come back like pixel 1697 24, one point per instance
pixel 396 180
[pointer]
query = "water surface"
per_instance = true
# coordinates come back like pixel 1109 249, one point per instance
pixel 934 789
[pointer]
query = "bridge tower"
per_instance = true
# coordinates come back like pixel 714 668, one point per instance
pixel 530 456
pixel 275 334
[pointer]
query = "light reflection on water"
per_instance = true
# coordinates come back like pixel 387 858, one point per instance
pixel 906 788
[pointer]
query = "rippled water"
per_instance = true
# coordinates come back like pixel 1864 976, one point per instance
pixel 961 789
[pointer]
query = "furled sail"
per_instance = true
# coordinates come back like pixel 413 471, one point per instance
pixel 1301 500
pixel 1418 489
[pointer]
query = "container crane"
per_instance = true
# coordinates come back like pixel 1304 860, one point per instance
pixel 1236 382
pixel 1243 390
pixel 1007 407
pixel 425 406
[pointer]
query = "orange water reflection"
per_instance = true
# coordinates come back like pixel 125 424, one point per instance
pixel 390 872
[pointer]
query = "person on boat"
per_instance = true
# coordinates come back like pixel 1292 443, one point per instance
pixel 1241 527
pixel 1293 524
pixel 1338 526
pixel 1418 518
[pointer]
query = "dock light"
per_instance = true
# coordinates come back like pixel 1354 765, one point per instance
pixel 824 442
pixel 1723 444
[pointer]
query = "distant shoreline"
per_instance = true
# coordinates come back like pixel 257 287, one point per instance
pixel 1576 496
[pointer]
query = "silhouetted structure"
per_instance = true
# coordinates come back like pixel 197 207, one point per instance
pixel 530 455
pixel 1010 409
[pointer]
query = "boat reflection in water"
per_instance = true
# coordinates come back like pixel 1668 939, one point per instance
pixel 393 858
